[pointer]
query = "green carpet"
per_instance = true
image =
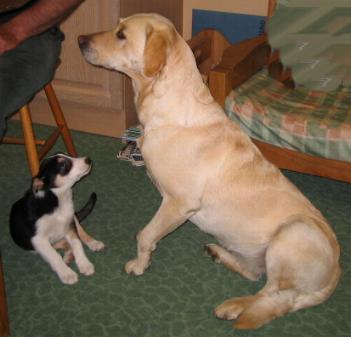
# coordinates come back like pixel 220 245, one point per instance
pixel 176 296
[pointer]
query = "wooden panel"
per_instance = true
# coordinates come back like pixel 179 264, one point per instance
pixel 173 10
pixel 102 121
pixel 92 98
pixel 76 80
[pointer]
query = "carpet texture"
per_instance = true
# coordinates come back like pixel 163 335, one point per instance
pixel 176 296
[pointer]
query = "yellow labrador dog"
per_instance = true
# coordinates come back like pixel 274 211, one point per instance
pixel 208 171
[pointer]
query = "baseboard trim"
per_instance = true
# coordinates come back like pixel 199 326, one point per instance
pixel 97 120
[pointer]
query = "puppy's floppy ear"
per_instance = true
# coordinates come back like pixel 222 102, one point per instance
pixel 37 185
pixel 155 53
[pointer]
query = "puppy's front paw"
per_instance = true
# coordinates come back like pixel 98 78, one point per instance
pixel 68 276
pixel 96 245
pixel 87 268
pixel 134 267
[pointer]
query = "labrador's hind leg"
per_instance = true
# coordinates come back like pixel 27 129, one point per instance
pixel 250 268
pixel 302 271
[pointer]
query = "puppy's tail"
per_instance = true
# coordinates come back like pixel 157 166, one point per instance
pixel 87 208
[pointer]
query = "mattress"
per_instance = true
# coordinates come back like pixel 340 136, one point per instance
pixel 313 122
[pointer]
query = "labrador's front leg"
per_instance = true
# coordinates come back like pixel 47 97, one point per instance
pixel 171 214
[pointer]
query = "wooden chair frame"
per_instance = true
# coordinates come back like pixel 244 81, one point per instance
pixel 227 66
pixel 29 140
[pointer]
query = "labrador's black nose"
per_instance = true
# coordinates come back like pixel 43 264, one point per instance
pixel 83 41
pixel 88 161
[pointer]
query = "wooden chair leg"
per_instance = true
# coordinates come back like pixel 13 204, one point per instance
pixel 29 140
pixel 4 319
pixel 60 119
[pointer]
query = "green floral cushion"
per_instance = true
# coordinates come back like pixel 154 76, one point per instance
pixel 313 122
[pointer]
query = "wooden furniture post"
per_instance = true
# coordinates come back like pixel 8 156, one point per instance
pixel 60 119
pixel 29 140
pixel 4 319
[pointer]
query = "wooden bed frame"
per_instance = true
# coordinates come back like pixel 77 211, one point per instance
pixel 226 66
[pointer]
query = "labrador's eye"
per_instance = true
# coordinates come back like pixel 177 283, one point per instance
pixel 121 35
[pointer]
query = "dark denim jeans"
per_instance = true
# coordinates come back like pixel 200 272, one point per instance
pixel 25 70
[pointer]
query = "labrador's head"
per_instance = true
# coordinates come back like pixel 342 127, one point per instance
pixel 138 46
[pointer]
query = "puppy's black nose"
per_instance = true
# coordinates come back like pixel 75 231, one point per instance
pixel 87 160
pixel 83 41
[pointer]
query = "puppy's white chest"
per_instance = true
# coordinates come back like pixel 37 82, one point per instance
pixel 55 226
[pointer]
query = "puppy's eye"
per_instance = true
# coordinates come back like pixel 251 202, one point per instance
pixel 120 35
pixel 65 167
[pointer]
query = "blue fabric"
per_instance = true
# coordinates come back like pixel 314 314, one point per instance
pixel 25 70
pixel 234 26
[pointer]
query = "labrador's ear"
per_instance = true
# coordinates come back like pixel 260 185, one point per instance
pixel 155 53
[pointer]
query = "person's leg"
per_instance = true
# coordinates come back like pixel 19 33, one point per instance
pixel 25 70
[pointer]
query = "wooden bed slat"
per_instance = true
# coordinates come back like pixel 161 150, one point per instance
pixel 304 163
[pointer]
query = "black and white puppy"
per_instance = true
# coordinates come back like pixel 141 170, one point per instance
pixel 45 215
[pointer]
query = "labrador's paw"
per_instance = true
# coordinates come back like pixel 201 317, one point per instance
pixel 134 267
